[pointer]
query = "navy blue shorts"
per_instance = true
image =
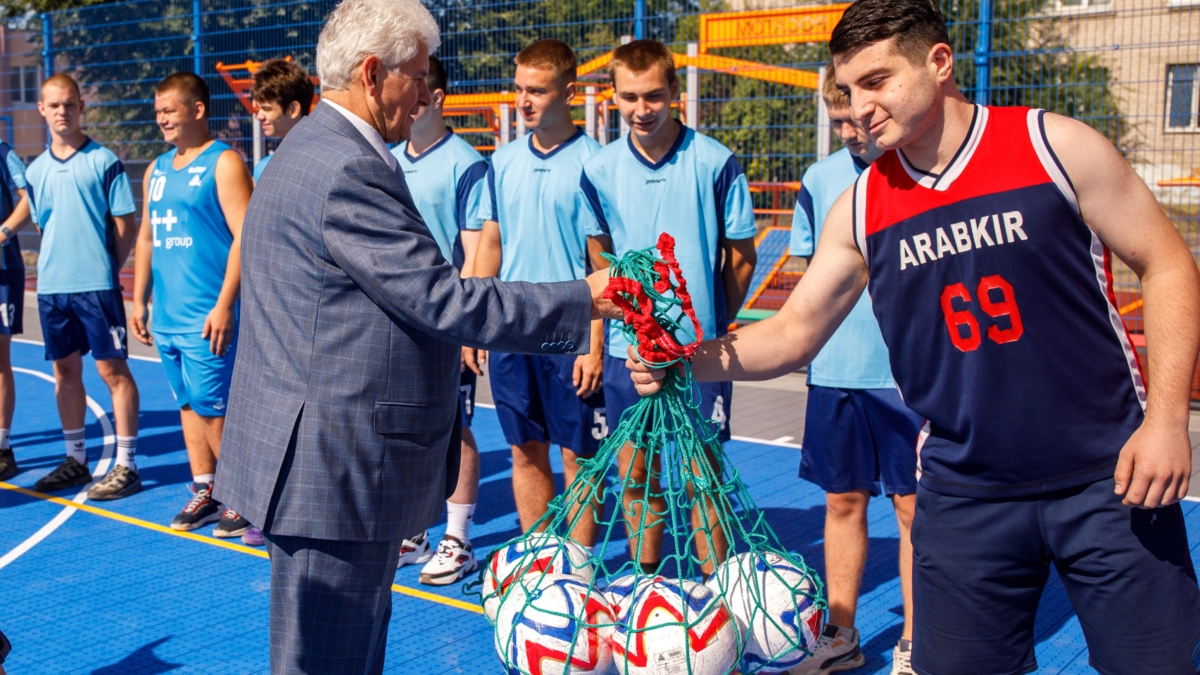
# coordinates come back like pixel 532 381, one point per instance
pixel 715 397
pixel 979 567
pixel 855 438
pixel 12 302
pixel 84 322
pixel 466 396
pixel 536 401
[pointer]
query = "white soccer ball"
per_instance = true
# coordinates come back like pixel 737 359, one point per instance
pixel 535 554
pixel 775 605
pixel 669 626
pixel 554 624
pixel 619 592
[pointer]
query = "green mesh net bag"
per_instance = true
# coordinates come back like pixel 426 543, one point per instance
pixel 686 577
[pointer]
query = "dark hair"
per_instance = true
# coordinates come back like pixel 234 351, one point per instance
pixel 282 81
pixel 917 26
pixel 550 54
pixel 642 55
pixel 191 86
pixel 436 79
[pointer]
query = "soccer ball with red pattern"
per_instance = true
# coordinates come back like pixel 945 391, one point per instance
pixel 670 626
pixel 554 624
pixel 536 554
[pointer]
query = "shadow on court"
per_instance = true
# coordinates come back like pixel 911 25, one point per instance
pixel 143 661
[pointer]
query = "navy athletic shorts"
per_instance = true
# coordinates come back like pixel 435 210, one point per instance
pixel 855 438
pixel 466 396
pixel 536 401
pixel 716 398
pixel 979 567
pixel 12 302
pixel 84 322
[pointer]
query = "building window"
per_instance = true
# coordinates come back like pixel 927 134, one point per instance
pixel 1082 6
pixel 24 82
pixel 1183 97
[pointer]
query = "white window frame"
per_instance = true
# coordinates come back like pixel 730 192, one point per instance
pixel 1182 3
pixel 1194 125
pixel 18 94
pixel 1084 7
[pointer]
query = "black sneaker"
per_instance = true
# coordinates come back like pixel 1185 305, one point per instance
pixel 200 511
pixel 8 464
pixel 232 525
pixel 68 474
pixel 120 482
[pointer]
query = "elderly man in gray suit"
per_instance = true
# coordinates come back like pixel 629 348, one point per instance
pixel 342 432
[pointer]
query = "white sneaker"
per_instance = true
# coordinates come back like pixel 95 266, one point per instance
pixel 902 658
pixel 454 560
pixel 837 650
pixel 415 551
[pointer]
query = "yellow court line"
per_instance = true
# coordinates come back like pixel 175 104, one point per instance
pixel 145 524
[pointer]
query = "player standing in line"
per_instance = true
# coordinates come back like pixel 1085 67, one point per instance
pixel 283 92
pixel 984 235
pixel 445 175
pixel 81 198
pixel 857 430
pixel 534 230
pixel 193 201
pixel 665 177
pixel 14 214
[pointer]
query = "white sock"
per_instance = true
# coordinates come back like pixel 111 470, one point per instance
pixel 126 449
pixel 202 481
pixel 458 520
pixel 5 436
pixel 76 444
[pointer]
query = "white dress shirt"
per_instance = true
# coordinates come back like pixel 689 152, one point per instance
pixel 368 133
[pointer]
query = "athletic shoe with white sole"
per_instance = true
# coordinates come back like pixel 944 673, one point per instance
pixel 902 658
pixel 837 650
pixel 231 525
pixel 68 474
pixel 200 511
pixel 122 481
pixel 415 551
pixel 8 464
pixel 454 560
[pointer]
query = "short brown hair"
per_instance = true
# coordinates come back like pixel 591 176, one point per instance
pixel 436 79
pixel 642 55
pixel 65 82
pixel 834 98
pixel 283 81
pixel 191 86
pixel 917 25
pixel 550 54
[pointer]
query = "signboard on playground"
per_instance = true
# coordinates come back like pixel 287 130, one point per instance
pixel 769 26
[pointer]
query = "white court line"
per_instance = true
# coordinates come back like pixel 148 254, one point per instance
pixel 110 442
pixel 43 344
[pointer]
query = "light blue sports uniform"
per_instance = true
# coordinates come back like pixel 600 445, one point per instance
pixel 534 196
pixel 446 183
pixel 698 194
pixel 74 202
pixel 12 267
pixel 857 430
pixel 192 241
pixel 261 166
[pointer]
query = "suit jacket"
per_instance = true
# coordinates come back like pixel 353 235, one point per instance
pixel 343 412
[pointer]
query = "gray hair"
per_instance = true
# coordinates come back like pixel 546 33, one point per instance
pixel 391 30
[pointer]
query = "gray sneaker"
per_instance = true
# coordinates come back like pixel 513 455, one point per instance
pixel 837 650
pixel 902 658
pixel 120 482
pixel 8 464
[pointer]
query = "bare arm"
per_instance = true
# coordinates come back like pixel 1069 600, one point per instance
pixel 143 281
pixel 1155 464
pixel 488 257
pixel 125 236
pixel 736 272
pixel 234 186
pixel 19 217
pixel 470 244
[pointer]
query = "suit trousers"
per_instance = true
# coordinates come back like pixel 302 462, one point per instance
pixel 331 602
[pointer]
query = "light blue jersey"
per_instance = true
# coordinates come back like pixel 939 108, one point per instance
pixel 191 241
pixel 446 182
pixel 535 198
pixel 262 164
pixel 697 193
pixel 11 180
pixel 855 356
pixel 74 201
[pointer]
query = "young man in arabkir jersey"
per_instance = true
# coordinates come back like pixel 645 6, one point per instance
pixel 665 177
pixel 984 235
pixel 82 201
pixel 445 175
pixel 194 198
pixel 534 229
pixel 14 214
pixel 857 431
pixel 283 92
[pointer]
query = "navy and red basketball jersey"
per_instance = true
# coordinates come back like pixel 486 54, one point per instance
pixel 996 304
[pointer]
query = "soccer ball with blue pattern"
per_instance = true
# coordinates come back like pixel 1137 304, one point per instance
pixel 554 624
pixel 674 626
pixel 537 555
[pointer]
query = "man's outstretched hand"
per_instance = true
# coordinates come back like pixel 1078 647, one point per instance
pixel 602 308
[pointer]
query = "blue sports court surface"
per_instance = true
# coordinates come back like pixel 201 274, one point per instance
pixel 108 589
